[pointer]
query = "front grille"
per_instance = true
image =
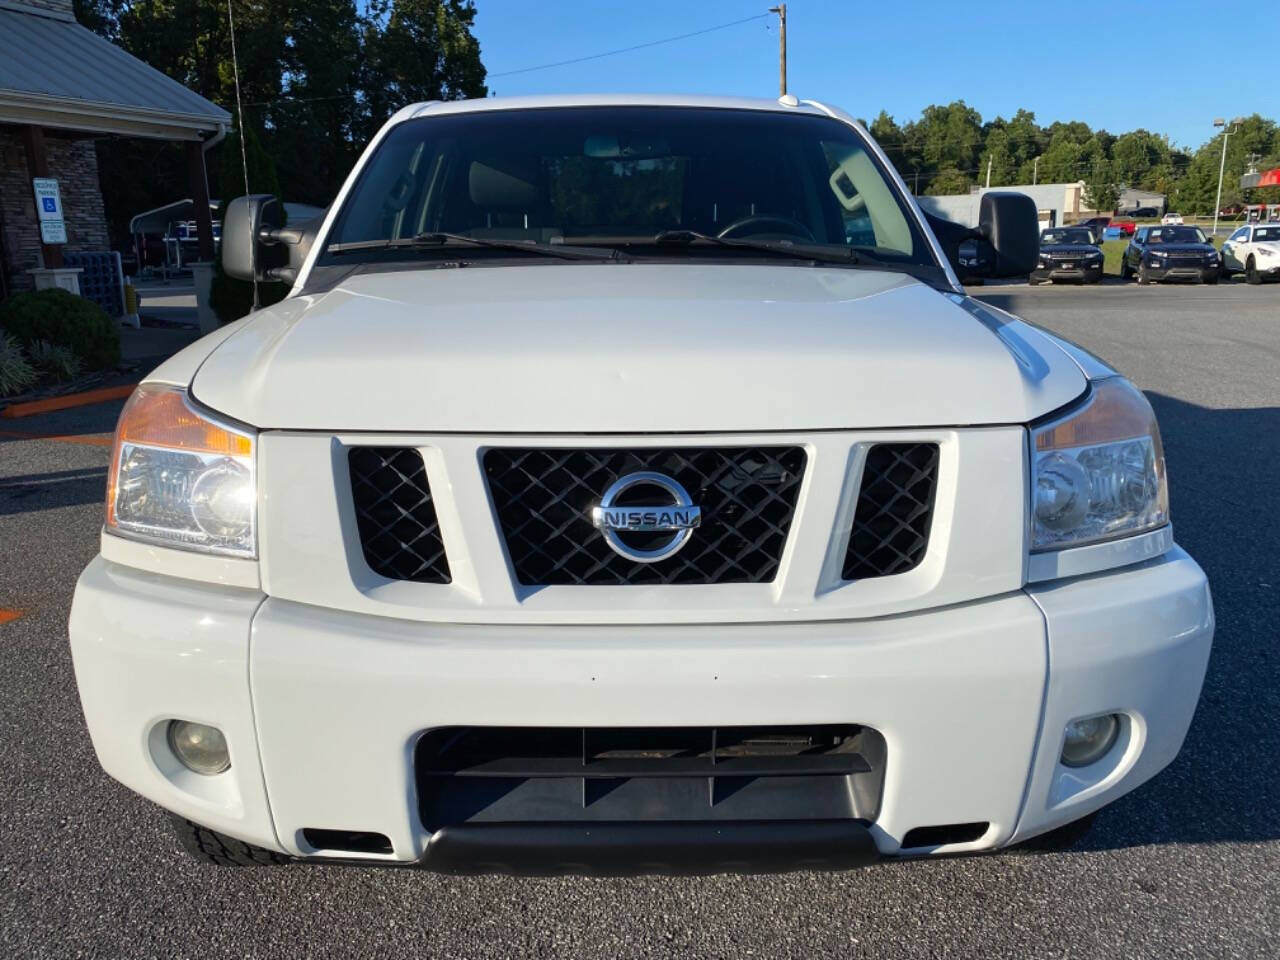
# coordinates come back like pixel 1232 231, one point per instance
pixel 543 498
pixel 894 512
pixel 473 775
pixel 395 514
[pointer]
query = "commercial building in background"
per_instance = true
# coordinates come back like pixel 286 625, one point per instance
pixel 62 86
pixel 1057 203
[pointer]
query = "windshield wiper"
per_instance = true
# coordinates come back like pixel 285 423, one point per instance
pixel 789 248
pixel 424 241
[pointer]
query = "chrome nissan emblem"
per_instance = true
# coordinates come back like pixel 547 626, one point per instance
pixel 678 515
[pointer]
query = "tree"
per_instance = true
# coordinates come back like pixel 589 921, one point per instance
pixel 949 139
pixel 948 182
pixel 317 77
pixel 419 50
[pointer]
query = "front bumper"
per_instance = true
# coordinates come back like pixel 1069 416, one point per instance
pixel 1080 273
pixel 322 710
pixel 1197 272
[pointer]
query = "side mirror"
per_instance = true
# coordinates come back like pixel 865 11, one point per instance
pixel 1011 224
pixel 243 225
pixel 1007 237
pixel 256 243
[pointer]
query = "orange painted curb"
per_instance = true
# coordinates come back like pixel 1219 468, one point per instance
pixel 89 441
pixel 7 616
pixel 68 401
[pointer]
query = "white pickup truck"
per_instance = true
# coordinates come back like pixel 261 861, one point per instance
pixel 627 484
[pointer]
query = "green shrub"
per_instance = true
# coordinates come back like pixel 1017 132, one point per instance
pixel 16 374
pixel 54 360
pixel 64 320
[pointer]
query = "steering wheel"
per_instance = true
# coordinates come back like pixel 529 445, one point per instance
pixel 783 225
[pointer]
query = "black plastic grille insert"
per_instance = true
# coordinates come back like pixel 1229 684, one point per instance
pixel 395 514
pixel 894 512
pixel 543 497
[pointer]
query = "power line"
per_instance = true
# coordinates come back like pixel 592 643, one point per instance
pixel 638 46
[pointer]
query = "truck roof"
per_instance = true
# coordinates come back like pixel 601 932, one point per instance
pixel 438 107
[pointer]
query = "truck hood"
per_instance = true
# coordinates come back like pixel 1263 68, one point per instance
pixel 633 348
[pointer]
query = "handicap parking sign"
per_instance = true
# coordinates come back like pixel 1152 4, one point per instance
pixel 53 229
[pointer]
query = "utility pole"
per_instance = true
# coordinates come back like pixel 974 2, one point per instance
pixel 1035 172
pixel 781 11
pixel 1227 130
pixel 990 160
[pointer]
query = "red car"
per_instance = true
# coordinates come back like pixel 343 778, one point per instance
pixel 1127 227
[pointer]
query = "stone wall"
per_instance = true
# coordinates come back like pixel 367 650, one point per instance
pixel 74 164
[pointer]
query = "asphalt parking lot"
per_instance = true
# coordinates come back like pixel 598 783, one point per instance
pixel 1187 866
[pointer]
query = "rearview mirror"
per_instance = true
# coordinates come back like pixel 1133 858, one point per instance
pixel 258 245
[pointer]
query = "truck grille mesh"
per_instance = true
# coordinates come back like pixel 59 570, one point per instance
pixel 395 514
pixel 543 497
pixel 894 512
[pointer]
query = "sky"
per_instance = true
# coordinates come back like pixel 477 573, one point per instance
pixel 1164 69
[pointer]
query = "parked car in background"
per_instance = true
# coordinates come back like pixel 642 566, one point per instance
pixel 1068 253
pixel 1126 227
pixel 1171 253
pixel 1171 220
pixel 1142 213
pixel 1095 225
pixel 973 262
pixel 1253 250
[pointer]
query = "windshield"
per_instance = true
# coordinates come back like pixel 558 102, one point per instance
pixel 623 176
pixel 1266 233
pixel 1176 235
pixel 1050 237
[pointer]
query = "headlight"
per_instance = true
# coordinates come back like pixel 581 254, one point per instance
pixel 181 478
pixel 1096 255
pixel 1156 254
pixel 1267 252
pixel 1099 473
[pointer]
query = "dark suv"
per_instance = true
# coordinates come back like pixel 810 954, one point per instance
pixel 1068 253
pixel 1171 253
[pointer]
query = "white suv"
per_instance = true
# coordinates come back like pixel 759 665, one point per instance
pixel 627 484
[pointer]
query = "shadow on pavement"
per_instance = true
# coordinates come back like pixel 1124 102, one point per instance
pixel 47 491
pixel 1225 784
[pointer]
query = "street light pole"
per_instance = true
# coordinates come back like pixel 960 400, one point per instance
pixel 1222 165
pixel 781 11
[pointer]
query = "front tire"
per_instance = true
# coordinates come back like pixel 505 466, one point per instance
pixel 208 846
pixel 1125 272
pixel 1144 277
pixel 1251 274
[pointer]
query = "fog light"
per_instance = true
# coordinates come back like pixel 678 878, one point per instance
pixel 1088 740
pixel 200 748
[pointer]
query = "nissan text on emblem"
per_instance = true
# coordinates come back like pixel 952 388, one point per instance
pixel 614 517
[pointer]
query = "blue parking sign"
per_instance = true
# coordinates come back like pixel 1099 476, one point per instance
pixel 50 205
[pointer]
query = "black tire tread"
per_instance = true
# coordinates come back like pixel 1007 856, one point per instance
pixel 210 846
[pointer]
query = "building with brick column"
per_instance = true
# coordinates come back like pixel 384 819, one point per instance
pixel 62 86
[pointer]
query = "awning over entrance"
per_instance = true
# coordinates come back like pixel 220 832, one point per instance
pixel 58 77
pixel 55 73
